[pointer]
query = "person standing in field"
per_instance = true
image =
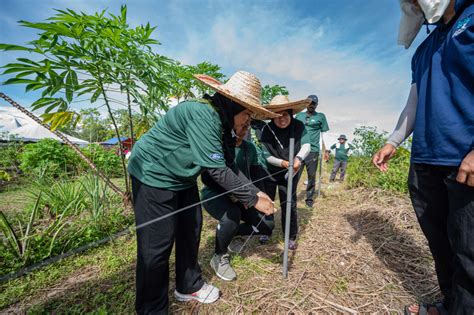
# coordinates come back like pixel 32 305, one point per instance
pixel 341 157
pixel 194 136
pixel 315 123
pixel 440 113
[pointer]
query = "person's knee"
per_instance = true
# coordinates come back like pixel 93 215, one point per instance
pixel 230 221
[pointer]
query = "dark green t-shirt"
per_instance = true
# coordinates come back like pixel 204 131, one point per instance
pixel 314 124
pixel 342 151
pixel 173 153
pixel 246 156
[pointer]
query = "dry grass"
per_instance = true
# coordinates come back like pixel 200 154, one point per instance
pixel 359 251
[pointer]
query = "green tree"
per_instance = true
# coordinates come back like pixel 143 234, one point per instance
pixel 270 91
pixel 185 86
pixel 92 127
pixel 368 140
pixel 92 56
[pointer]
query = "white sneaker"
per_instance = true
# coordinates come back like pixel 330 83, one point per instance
pixel 207 294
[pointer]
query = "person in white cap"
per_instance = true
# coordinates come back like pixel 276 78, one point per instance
pixel 193 136
pixel 440 113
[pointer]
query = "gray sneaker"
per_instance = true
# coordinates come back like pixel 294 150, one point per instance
pixel 222 268
pixel 236 245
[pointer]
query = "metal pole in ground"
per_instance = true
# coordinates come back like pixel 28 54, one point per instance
pixel 320 162
pixel 289 196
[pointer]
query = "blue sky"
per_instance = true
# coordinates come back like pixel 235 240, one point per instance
pixel 342 50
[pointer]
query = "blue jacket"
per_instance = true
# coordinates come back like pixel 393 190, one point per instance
pixel 443 70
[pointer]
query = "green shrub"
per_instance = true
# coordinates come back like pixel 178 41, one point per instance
pixel 10 155
pixel 361 172
pixel 48 157
pixel 4 176
pixel 105 160
pixel 62 196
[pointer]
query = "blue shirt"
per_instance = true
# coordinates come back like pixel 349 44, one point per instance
pixel 443 70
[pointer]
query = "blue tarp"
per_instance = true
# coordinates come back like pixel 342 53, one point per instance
pixel 114 141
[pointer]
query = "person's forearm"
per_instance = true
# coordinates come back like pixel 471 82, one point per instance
pixel 304 151
pixel 406 121
pixel 240 186
pixel 274 161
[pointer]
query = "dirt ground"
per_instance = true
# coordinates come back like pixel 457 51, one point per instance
pixel 359 251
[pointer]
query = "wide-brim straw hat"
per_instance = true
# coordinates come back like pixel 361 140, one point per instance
pixel 282 102
pixel 243 88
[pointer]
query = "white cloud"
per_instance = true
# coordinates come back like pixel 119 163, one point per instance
pixel 354 88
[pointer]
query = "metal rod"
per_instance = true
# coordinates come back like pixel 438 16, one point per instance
pixel 320 162
pixel 289 196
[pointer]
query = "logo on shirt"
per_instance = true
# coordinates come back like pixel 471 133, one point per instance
pixel 461 26
pixel 216 156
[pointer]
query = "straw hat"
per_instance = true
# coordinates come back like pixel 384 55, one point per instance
pixel 282 102
pixel 243 88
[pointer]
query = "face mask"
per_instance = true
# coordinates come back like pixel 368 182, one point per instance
pixel 433 9
pixel 412 18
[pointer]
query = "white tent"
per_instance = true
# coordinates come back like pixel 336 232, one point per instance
pixel 16 125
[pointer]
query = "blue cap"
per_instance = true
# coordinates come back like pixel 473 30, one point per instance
pixel 313 98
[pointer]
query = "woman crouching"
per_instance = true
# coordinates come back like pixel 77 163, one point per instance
pixel 230 212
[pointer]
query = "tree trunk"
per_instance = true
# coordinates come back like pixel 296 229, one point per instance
pixel 67 142
pixel 117 133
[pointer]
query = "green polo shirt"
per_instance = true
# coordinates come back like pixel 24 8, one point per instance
pixel 173 153
pixel 245 156
pixel 342 151
pixel 315 124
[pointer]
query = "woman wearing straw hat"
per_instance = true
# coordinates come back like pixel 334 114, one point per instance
pixel 234 218
pixel 276 141
pixel 192 137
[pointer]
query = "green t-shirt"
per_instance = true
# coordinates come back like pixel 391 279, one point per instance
pixel 245 156
pixel 342 151
pixel 315 124
pixel 173 153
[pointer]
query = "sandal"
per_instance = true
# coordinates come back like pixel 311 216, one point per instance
pixel 424 307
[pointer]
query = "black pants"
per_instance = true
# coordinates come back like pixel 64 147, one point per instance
pixel 155 242
pixel 282 184
pixel 445 211
pixel 229 215
pixel 311 164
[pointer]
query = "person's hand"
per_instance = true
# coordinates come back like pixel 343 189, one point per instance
pixel 285 164
pixel 381 158
pixel 265 204
pixel 466 170
pixel 296 165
